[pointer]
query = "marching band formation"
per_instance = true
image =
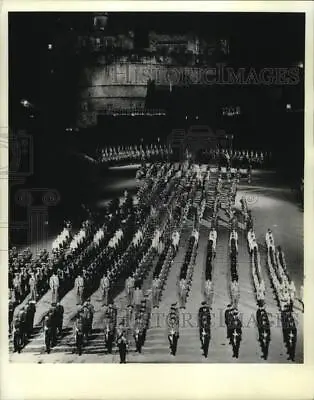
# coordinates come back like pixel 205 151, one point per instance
pixel 138 236
pixel 159 153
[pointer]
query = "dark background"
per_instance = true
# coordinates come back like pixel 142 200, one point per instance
pixel 49 80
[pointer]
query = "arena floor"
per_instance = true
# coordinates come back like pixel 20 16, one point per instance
pixel 273 206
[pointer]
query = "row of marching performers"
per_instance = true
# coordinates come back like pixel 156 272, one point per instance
pixel 134 153
pixel 232 320
pixel 184 286
pixel 204 314
pixel 247 214
pixel 285 291
pixel 186 271
pixel 199 204
pixel 170 249
pixel 236 157
pixel 263 324
pixel 233 323
pixel 30 276
pixel 284 285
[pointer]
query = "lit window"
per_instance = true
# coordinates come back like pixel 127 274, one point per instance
pixel 25 103
pixel 49 46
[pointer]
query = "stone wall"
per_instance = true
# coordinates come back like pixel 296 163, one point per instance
pixel 124 85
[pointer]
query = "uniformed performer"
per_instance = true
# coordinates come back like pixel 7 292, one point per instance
pixel 33 287
pixel 17 333
pixel 233 242
pixel 236 334
pixel 79 332
pixel 235 293
pixel 54 286
pixel 228 320
pixel 175 241
pixel 138 334
pixel 129 288
pixel 17 286
pixel 182 292
pixel 213 238
pixel 263 326
pixel 208 292
pixel 109 329
pixel 122 342
pixel 30 314
pixel 60 312
pixel 138 297
pixel 54 322
pixel 260 293
pixel 269 238
pixel 105 287
pixel 10 314
pixel 112 312
pixel 203 316
pixel 89 315
pixel 291 290
pixel 265 338
pixel 173 328
pixel 292 339
pixel 156 291
pixel 129 316
pixel 195 234
pixel 47 330
pixel 79 289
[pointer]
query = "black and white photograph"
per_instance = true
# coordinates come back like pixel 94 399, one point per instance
pixel 156 187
